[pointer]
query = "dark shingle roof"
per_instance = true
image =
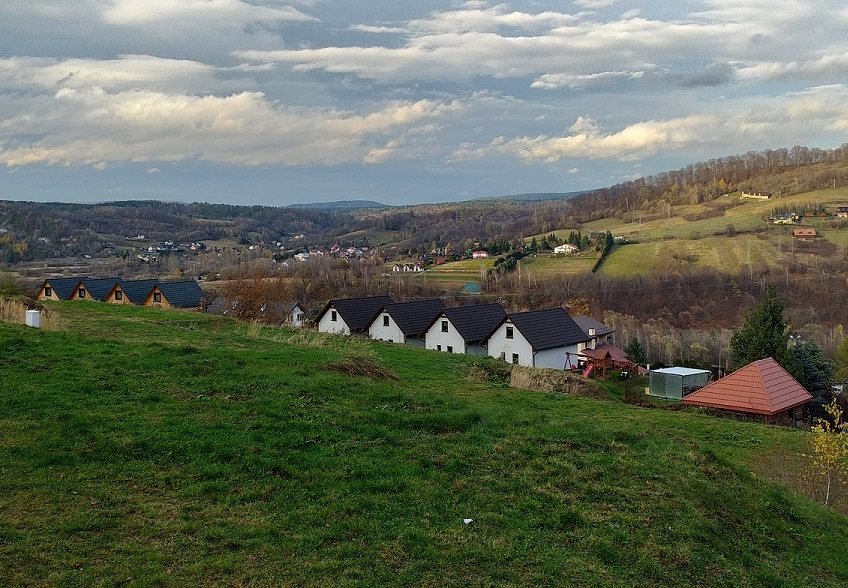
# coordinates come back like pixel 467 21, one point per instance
pixel 137 290
pixel 357 312
pixel 414 317
pixel 181 294
pixel 99 288
pixel 548 329
pixel 63 287
pixel 586 323
pixel 473 323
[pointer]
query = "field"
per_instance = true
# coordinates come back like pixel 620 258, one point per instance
pixel 458 273
pixel 145 447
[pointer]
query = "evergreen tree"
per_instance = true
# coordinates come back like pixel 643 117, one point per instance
pixel 814 372
pixel 764 334
pixel 636 352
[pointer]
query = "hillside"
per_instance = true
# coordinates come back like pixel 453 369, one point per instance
pixel 149 447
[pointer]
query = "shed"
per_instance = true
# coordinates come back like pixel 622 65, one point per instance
pixel 676 382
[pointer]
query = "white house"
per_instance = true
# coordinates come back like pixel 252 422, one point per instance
pixel 566 249
pixel 479 254
pixel 540 338
pixel 598 332
pixel 461 329
pixel 296 315
pixel 404 322
pixel 346 316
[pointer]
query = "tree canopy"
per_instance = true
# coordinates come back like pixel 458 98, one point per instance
pixel 764 334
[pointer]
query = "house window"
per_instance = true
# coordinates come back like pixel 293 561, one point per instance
pixel 509 332
pixel 48 292
pixel 333 315
pixel 515 358
pixel 438 347
pixel 119 295
pixel 386 321
pixel 157 297
pixel 81 293
pixel 444 326
pixel 450 349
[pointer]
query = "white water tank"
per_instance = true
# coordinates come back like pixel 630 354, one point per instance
pixel 33 318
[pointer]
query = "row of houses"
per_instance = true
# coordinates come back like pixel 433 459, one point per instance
pixel 548 338
pixel 182 294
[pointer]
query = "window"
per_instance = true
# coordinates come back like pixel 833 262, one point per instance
pixel 81 293
pixel 48 292
pixel 514 358
pixel 119 295
pixel 450 349
pixel 157 297
pixel 438 347
pixel 333 316
pixel 385 320
pixel 509 332
pixel 444 326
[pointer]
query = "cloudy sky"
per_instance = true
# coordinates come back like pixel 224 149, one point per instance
pixel 280 101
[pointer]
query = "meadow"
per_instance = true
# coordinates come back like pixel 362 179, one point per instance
pixel 145 447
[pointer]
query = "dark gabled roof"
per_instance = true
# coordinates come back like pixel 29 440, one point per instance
pixel 587 322
pixel 357 312
pixel 181 294
pixel 99 288
pixel 547 329
pixel 472 323
pixel 137 290
pixel 290 306
pixel 413 317
pixel 63 287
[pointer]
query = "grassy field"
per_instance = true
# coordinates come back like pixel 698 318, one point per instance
pixel 145 447
pixel 725 254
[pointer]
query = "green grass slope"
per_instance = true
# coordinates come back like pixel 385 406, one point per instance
pixel 146 447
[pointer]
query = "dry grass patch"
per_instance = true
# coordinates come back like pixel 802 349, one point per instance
pixel 548 380
pixel 361 365
pixel 13 310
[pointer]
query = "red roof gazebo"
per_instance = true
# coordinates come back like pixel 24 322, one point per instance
pixel 761 388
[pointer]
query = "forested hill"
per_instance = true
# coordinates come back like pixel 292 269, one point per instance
pixel 30 231
pixel 778 171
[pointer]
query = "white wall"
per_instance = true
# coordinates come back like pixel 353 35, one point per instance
pixel 434 337
pixel 327 325
pixel 390 333
pixel 498 344
pixel 296 318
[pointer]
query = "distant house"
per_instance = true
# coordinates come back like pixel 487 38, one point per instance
pixel 96 289
pixel 58 288
pixel 755 195
pixel 346 316
pixel 130 292
pixel 598 333
pixel 404 322
pixel 566 249
pixel 462 329
pixel 479 254
pixel 186 295
pixel 804 233
pixel 540 338
pixel 762 390
pixel 785 219
pixel 296 315
pixel 842 212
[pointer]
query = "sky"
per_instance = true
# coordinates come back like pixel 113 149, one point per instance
pixel 276 102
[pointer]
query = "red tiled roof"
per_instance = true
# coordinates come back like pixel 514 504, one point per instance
pixel 761 387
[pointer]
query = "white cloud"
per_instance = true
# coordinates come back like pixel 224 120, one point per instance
pixel 134 12
pixel 94 127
